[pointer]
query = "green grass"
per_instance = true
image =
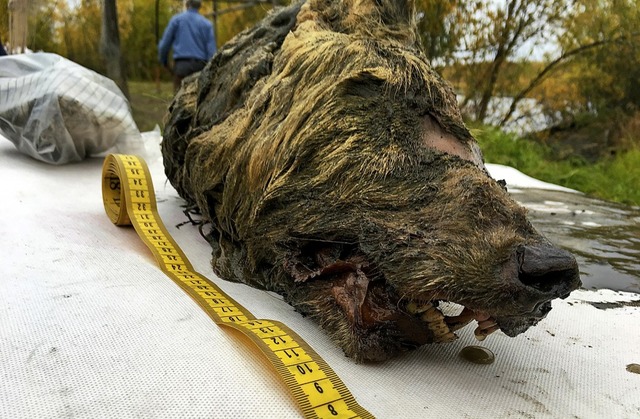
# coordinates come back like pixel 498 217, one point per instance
pixel 149 102
pixel 615 179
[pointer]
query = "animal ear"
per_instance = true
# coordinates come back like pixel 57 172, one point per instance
pixel 365 83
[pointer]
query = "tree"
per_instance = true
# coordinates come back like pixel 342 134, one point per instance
pixel 232 18
pixel 138 35
pixel 610 79
pixel 78 37
pixel 547 69
pixel 499 34
pixel 607 78
pixel 110 45
pixel 439 28
pixel 42 27
pixel 4 21
pixel 18 24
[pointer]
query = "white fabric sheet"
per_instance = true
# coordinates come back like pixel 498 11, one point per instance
pixel 91 328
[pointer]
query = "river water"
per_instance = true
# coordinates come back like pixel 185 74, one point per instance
pixel 604 237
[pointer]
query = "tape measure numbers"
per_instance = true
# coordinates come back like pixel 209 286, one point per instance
pixel 129 199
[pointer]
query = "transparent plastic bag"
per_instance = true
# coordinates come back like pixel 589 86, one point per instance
pixel 57 111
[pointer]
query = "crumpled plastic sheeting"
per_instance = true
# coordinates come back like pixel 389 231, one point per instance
pixel 57 111
pixel 90 327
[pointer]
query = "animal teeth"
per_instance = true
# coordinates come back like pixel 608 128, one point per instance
pixel 461 320
pixel 432 315
pixel 441 332
pixel 436 321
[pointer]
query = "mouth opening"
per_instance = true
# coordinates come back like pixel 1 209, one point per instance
pixel 443 318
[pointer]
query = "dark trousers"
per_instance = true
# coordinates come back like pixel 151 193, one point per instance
pixel 184 67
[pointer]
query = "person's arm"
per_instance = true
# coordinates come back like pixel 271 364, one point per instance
pixel 164 46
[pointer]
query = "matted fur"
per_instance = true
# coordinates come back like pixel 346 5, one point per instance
pixel 334 167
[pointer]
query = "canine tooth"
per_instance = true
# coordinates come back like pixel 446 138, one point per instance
pixel 459 321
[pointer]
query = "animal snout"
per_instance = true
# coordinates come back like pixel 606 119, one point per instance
pixel 548 269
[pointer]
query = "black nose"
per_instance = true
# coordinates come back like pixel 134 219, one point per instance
pixel 548 269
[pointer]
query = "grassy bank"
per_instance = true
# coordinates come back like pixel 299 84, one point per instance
pixel 149 102
pixel 615 179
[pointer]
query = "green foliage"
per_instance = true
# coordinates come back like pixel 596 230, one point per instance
pixel 230 24
pixel 4 22
pixel 74 32
pixel 79 38
pixel 609 77
pixel 615 178
pixel 149 103
pixel 42 35
pixel 439 29
pixel 138 36
pixel 502 34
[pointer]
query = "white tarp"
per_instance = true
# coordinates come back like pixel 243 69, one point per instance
pixel 91 328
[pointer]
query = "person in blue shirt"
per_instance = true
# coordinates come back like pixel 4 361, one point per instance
pixel 2 50
pixel 192 39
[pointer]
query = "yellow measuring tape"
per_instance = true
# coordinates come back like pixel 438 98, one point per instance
pixel 129 199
